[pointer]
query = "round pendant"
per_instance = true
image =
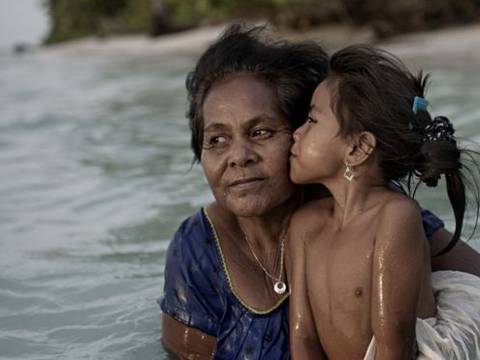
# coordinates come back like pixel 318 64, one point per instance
pixel 279 287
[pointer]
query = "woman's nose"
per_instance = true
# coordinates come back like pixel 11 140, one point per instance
pixel 242 154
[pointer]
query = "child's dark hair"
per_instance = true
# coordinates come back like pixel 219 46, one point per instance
pixel 373 91
pixel 293 70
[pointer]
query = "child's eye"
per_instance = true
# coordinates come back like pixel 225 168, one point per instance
pixel 262 133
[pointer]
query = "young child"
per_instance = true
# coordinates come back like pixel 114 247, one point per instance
pixel 359 262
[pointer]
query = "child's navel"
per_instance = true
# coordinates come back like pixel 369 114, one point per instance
pixel 358 292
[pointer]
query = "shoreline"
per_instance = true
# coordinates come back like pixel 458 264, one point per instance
pixel 459 41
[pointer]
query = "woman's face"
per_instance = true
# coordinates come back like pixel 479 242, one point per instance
pixel 246 146
pixel 319 151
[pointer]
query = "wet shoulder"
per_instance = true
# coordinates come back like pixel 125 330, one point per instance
pixel 194 229
pixel 308 219
pixel 194 240
pixel 399 209
pixel 312 213
pixel 400 222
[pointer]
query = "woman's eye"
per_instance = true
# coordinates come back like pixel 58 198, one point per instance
pixel 262 133
pixel 217 140
pixel 311 120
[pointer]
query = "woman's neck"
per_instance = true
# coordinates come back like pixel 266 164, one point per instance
pixel 263 231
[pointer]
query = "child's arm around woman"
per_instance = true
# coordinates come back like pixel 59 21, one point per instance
pixel 400 279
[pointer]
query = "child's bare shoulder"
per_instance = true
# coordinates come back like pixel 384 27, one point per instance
pixel 311 214
pixel 399 208
pixel 305 221
pixel 400 221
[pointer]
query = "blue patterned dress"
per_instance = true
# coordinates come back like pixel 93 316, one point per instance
pixel 198 293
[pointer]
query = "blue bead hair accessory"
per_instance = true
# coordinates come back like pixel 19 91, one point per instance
pixel 419 103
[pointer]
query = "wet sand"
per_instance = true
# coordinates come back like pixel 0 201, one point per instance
pixel 462 42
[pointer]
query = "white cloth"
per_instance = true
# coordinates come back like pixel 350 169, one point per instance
pixel 455 331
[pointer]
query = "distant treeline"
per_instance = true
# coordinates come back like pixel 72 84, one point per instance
pixel 78 18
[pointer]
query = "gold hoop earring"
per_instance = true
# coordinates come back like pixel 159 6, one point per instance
pixel 349 175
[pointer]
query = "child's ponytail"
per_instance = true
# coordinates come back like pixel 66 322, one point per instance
pixel 439 155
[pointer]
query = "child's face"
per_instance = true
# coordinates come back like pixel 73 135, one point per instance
pixel 319 151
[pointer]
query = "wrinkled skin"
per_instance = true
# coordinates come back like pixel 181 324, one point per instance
pixel 246 142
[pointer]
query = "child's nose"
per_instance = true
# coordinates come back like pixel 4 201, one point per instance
pixel 297 133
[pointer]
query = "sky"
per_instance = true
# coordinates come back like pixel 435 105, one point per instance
pixel 22 21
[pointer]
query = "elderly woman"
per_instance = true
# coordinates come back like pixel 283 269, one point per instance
pixel 226 294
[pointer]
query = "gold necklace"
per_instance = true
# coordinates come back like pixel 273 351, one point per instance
pixel 279 286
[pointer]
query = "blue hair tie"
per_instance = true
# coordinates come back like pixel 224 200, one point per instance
pixel 419 103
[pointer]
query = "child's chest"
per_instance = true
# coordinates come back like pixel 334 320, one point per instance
pixel 341 261
pixel 338 272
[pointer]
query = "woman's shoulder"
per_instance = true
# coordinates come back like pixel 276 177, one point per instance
pixel 193 232
pixel 192 252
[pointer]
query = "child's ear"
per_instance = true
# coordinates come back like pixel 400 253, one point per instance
pixel 362 147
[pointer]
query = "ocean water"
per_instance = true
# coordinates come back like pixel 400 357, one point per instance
pixel 95 176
